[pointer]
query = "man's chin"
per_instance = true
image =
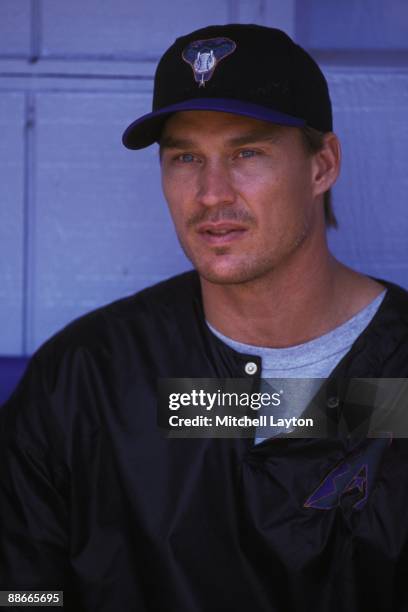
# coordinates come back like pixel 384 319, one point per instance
pixel 228 268
pixel 224 275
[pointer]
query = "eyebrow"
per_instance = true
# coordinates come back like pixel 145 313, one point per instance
pixel 172 142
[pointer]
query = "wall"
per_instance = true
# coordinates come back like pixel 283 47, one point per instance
pixel 83 221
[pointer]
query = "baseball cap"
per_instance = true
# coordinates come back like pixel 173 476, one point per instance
pixel 245 69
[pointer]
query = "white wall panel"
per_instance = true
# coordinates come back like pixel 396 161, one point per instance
pixel 352 24
pixel 122 28
pixel 102 227
pixel 14 28
pixel 274 13
pixel 249 11
pixel 11 222
pixel 371 117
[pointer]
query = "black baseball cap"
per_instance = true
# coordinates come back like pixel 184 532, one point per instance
pixel 244 69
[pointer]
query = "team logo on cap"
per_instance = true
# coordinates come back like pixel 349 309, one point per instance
pixel 204 56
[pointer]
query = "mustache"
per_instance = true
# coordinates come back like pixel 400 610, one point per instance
pixel 221 214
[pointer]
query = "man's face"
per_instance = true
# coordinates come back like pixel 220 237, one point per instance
pixel 240 193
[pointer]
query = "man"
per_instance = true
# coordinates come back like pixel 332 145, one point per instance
pixel 95 501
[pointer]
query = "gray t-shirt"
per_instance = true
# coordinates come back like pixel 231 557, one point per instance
pixel 309 362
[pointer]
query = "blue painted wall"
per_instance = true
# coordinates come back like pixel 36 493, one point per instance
pixel 83 221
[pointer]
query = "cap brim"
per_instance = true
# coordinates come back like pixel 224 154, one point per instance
pixel 147 129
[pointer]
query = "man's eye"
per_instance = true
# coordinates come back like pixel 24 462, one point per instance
pixel 185 158
pixel 247 153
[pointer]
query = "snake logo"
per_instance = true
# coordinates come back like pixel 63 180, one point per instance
pixel 205 55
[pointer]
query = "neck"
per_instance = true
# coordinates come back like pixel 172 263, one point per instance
pixel 291 306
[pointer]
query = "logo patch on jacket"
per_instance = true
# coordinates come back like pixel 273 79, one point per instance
pixel 204 56
pixel 352 478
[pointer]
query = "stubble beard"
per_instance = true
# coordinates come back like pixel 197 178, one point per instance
pixel 244 270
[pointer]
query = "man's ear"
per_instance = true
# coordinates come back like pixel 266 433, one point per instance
pixel 326 164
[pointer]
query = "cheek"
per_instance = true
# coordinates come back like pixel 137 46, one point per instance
pixel 176 198
pixel 167 185
pixel 172 191
pixel 176 184
pixel 291 188
pixel 282 202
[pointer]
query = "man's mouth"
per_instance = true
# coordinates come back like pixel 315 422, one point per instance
pixel 221 233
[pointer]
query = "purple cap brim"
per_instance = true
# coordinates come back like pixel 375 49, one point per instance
pixel 146 130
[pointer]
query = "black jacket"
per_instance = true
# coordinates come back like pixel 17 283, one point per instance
pixel 94 499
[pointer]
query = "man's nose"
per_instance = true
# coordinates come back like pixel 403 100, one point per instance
pixel 214 184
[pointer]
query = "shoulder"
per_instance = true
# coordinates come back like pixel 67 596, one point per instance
pixel 96 358
pixel 105 338
pixel 132 314
pixel 395 305
pixel 387 335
